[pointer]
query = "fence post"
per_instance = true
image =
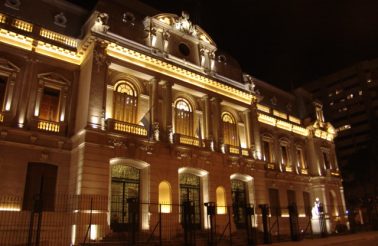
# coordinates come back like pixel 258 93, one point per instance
pixel 265 211
pixel 229 222
pixel 90 224
pixel 294 225
pixel 160 227
pixel 211 215
pixel 133 213
pixel 249 212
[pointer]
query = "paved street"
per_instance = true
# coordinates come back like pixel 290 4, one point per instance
pixel 358 239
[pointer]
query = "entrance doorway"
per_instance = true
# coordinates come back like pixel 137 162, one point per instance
pixel 239 202
pixel 124 186
pixel 190 192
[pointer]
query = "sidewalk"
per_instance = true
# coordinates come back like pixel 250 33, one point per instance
pixel 357 239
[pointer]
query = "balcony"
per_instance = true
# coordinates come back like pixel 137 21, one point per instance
pixel 270 166
pixel 289 169
pixel 119 126
pixel 187 140
pixel 47 126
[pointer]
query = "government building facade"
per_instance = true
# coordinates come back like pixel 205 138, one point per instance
pixel 124 114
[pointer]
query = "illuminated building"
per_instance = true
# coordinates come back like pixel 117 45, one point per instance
pixel 126 101
pixel 351 100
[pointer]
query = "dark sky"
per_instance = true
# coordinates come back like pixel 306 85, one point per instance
pixel 286 42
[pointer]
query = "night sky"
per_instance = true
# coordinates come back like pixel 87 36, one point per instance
pixel 287 42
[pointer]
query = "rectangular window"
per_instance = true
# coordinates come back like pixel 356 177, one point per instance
pixel 274 200
pixel 40 186
pixel 327 164
pixel 284 159
pixel 300 159
pixel 291 198
pixel 3 87
pixel 307 203
pixel 49 109
pixel 267 153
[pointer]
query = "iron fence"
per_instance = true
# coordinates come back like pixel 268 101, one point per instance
pixel 84 219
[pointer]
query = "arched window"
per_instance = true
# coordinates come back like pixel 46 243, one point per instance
pixel 125 102
pixel 221 200
pixel 230 135
pixel 165 198
pixel 183 117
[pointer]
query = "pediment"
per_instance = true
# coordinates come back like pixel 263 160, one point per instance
pixel 54 77
pixel 9 66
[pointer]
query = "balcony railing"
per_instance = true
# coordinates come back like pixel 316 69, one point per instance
pixel 234 150
pixel 270 166
pixel 245 152
pixel 49 126
pixel 304 171
pixel 187 140
pixel 289 169
pixel 119 126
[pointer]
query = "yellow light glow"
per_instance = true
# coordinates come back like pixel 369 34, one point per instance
pixel 221 200
pixel 165 199
pixel 2 18
pixel 1 117
pixel 263 108
pixel 294 120
pixel 22 25
pixel 58 53
pixel 93 232
pixel 14 39
pixel 174 71
pixel 10 208
pixel 245 152
pixel 279 114
pixel 73 234
pixel 58 37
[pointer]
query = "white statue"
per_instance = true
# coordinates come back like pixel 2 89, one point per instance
pixel 315 211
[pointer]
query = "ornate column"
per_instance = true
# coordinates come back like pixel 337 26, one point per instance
pixel 313 159
pixel 206 117
pixel 248 127
pixel 216 122
pixel 96 110
pixel 167 110
pixel 154 104
pixel 255 130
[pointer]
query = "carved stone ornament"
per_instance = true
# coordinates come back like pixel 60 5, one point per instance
pixel 100 56
pixel 101 23
pixel 185 25
pixel 128 18
pixel 13 4
pixel 273 100
pixel 60 20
